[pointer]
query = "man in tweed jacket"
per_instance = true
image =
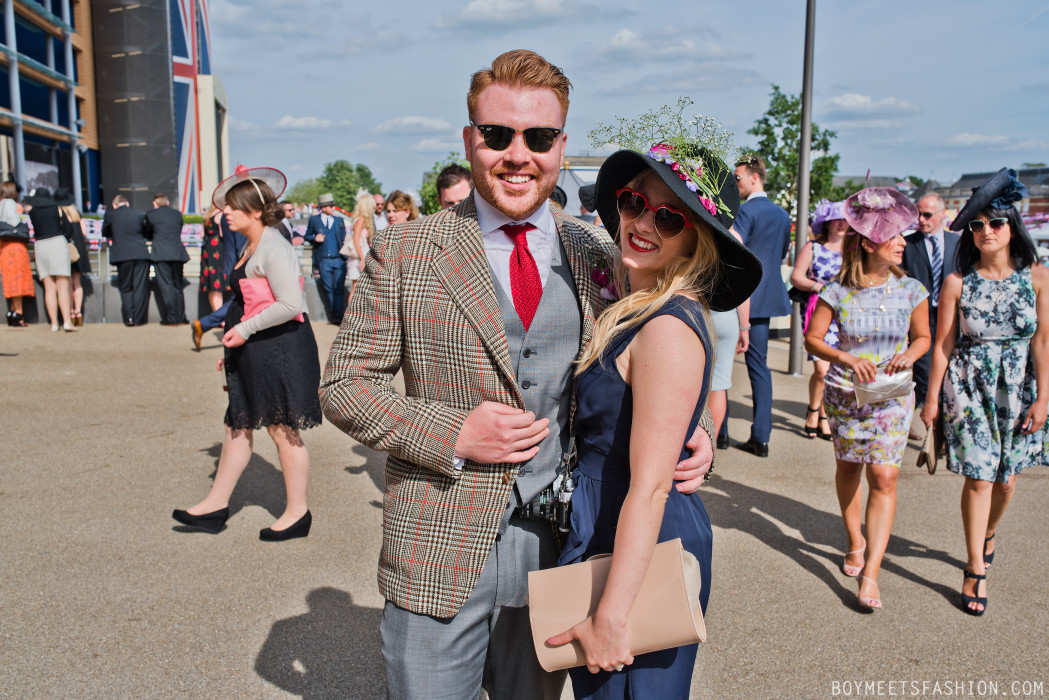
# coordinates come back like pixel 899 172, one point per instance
pixel 434 302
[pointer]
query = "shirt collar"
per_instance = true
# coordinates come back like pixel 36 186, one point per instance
pixel 490 219
pixel 755 195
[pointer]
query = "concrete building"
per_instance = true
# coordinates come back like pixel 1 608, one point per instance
pixel 107 97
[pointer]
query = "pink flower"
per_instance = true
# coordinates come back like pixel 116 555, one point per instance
pixel 661 148
pixel 708 205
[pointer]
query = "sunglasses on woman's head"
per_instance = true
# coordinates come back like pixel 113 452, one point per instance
pixel 539 139
pixel 668 222
pixel 977 225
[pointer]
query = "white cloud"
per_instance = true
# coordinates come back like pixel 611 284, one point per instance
pixel 852 105
pixel 690 80
pixel 438 145
pixel 513 14
pixel 968 140
pixel 412 125
pixel 660 44
pixel 240 125
pixel 369 146
pixel 290 123
pixel 867 124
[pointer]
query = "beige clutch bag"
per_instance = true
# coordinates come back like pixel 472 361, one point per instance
pixel 665 614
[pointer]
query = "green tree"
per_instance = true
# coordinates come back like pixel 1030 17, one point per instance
pixel 303 192
pixel 343 179
pixel 428 189
pixel 779 139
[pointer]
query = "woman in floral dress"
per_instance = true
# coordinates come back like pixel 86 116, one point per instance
pixel 213 281
pixel 877 308
pixel 817 263
pixel 997 389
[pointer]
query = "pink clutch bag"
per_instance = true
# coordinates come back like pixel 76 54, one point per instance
pixel 258 295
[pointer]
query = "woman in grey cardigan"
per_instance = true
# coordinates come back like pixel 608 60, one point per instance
pixel 271 363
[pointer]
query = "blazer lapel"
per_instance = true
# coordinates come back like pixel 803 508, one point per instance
pixel 573 240
pixel 462 268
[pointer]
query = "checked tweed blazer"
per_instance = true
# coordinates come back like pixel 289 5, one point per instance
pixel 426 305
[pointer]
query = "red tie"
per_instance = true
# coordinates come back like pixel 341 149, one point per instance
pixel 525 285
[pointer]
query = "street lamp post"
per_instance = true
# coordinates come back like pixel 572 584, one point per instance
pixel 801 228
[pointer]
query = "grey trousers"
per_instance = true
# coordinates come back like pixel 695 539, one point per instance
pixel 488 643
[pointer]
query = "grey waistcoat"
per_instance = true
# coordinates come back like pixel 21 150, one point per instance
pixel 543 361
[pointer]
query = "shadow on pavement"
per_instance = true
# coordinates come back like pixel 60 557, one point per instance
pixel 332 651
pixel 261 484
pixel 374 466
pixel 772 518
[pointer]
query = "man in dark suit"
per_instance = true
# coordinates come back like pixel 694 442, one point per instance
pixel 285 227
pixel 929 258
pixel 122 225
pixel 327 232
pixel 163 225
pixel 764 228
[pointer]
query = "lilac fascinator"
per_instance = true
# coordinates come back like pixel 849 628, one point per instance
pixel 880 213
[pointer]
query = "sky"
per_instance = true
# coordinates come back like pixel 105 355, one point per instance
pixel 932 88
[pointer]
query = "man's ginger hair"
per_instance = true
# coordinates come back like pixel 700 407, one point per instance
pixel 520 68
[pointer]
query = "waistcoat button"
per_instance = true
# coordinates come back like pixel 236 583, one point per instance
pixel 527 352
pixel 526 384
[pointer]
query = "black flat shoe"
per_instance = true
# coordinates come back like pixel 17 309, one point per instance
pixel 758 449
pixel 723 442
pixel 301 528
pixel 208 522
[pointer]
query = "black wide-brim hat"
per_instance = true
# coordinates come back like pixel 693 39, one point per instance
pixel 1002 185
pixel 40 197
pixel 740 271
pixel 64 197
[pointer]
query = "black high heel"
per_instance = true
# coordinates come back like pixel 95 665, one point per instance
pixel 301 528
pixel 825 435
pixel 988 559
pixel 208 522
pixel 813 430
pixel 969 599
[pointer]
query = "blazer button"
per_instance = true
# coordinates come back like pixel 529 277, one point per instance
pixel 526 384
pixel 507 477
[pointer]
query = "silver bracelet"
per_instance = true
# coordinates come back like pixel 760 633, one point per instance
pixel 745 328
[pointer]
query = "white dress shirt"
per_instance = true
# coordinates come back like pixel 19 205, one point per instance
pixel 498 246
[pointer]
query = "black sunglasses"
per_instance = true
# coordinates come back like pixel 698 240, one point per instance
pixel 668 222
pixel 539 139
pixel 977 225
pixel 928 214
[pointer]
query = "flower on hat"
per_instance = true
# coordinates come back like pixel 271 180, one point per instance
pixel 1015 191
pixel 667 136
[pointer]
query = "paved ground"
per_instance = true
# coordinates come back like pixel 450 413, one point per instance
pixel 102 596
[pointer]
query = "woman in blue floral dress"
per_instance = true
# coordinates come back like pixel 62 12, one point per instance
pixel 877 309
pixel 817 263
pixel 997 389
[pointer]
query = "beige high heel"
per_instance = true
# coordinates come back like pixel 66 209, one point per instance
pixel 870 604
pixel 848 569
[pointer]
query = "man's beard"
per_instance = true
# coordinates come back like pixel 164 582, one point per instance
pixel 525 204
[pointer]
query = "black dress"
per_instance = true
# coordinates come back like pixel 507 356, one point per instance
pixel 274 377
pixel 76 235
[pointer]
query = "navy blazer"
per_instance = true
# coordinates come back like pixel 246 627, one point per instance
pixel 123 227
pixel 765 229
pixel 334 237
pixel 916 258
pixel 163 225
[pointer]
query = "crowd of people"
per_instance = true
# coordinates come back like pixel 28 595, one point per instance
pixel 548 360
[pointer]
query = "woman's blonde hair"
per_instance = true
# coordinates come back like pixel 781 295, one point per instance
pixel 71 212
pixel 695 276
pixel 364 210
pixel 853 261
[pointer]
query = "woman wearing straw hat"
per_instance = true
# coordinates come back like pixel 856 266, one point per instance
pixel 992 342
pixel 877 309
pixel 642 384
pixel 271 362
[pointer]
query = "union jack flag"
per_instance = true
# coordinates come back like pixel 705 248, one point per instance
pixel 190 57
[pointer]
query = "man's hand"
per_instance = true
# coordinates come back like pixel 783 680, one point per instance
pixel 689 472
pixel 319 238
pixel 495 432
